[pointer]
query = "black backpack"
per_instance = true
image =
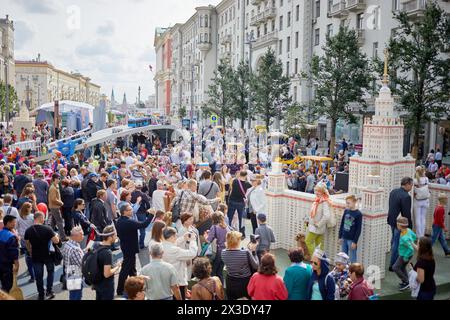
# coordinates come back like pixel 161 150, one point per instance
pixel 176 209
pixel 90 268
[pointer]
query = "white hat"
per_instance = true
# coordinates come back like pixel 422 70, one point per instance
pixel 341 257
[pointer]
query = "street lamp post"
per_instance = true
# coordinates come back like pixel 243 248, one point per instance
pixel 250 41
pixel 6 94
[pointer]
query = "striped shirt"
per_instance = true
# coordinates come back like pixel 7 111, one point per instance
pixel 238 262
pixel 189 199
pixel 72 253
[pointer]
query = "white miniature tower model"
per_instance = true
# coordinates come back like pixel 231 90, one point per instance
pixel 383 147
pixel 23 121
pixel 374 226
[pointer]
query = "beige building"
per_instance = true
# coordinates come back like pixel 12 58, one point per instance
pixel 38 82
pixel 7 49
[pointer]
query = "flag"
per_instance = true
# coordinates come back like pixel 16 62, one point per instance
pixel 91 236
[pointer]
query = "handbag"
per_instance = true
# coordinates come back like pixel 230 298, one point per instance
pixel 211 251
pixel 55 254
pixel 74 278
pixel 422 193
pixel 176 209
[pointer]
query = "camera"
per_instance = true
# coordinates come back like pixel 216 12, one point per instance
pixel 254 238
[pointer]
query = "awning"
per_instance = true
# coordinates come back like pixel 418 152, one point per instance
pixel 66 106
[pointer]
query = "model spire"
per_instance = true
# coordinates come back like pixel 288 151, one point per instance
pixel 385 75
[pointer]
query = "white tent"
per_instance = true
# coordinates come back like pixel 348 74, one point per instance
pixel 66 106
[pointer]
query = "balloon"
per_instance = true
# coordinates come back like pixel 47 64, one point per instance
pixel 42 207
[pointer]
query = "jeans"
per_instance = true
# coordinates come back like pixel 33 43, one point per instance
pixel 240 207
pixel 394 245
pixel 55 218
pixel 438 234
pixel 347 248
pixel 426 295
pixel 141 218
pixel 76 294
pixel 28 260
pixel 128 269
pixel 68 220
pixel 399 268
pixel 217 266
pixel 105 291
pixel 39 274
pixel 420 212
pixel 6 277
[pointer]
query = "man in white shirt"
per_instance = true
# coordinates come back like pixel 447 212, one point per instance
pixel 158 196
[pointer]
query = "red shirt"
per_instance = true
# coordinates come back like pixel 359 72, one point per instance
pixel 262 287
pixel 439 214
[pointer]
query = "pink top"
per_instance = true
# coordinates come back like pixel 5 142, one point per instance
pixel 263 287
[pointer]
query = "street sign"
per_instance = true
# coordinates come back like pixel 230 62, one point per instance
pixel 214 118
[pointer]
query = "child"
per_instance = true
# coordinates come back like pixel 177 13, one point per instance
pixel 439 224
pixel 266 236
pixel 405 251
pixel 224 209
pixel 341 274
pixel 350 229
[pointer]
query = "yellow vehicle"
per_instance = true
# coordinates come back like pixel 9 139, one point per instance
pixel 317 162
pixel 308 161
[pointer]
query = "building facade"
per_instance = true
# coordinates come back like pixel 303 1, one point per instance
pixel 296 30
pixel 38 82
pixel 7 50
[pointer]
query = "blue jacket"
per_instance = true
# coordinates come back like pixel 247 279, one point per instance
pixel 326 289
pixel 9 248
pixel 351 224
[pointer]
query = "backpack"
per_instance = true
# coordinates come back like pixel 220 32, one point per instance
pixel 176 209
pixel 90 268
pixel 337 291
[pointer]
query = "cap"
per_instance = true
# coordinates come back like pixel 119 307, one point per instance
pixel 92 175
pixel 341 257
pixel 262 217
pixel 114 168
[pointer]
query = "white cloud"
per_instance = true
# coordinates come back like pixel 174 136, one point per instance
pixel 114 44
pixel 23 34
pixel 106 29
pixel 38 6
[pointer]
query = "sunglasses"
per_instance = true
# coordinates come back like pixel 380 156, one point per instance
pixel 315 263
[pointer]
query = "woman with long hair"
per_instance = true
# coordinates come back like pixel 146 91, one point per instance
pixel 220 181
pixel 422 202
pixel 425 268
pixel 226 176
pixel 218 232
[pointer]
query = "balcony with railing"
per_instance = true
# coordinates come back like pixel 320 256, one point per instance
pixel 361 34
pixel 263 16
pixel 226 39
pixel 355 5
pixel 414 8
pixel 266 40
pixel 338 10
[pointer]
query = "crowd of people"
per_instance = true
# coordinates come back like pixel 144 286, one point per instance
pixel 189 219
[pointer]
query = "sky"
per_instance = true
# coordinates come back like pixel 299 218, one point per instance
pixel 109 41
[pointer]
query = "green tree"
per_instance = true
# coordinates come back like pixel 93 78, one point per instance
pixel 13 107
pixel 341 76
pixel 295 123
pixel 419 70
pixel 242 93
pixel 220 94
pixel 182 112
pixel 111 117
pixel 271 89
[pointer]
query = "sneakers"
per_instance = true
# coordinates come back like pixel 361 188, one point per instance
pixel 404 287
pixel 50 295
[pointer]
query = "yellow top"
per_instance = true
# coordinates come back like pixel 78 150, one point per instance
pixel 316 158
